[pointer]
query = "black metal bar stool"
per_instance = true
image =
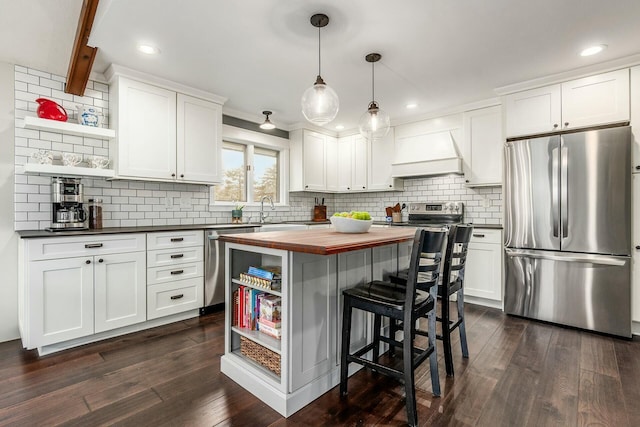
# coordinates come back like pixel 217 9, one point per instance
pixel 452 283
pixel 402 302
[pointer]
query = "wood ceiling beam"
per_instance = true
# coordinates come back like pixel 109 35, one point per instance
pixel 83 55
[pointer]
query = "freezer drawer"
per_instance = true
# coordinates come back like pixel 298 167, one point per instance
pixel 586 291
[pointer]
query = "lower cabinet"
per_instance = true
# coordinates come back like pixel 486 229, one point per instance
pixel 119 290
pixel 73 287
pixel 483 273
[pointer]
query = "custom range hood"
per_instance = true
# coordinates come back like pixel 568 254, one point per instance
pixel 426 154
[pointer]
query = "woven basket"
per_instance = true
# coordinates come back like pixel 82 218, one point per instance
pixel 262 355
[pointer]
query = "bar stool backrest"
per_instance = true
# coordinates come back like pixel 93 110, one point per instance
pixel 456 257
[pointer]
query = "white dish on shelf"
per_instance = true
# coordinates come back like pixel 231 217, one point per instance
pixel 350 225
pixel 98 162
pixel 43 157
pixel 71 159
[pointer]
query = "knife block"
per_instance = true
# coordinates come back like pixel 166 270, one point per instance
pixel 320 213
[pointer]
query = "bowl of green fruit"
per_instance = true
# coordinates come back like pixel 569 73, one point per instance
pixel 351 222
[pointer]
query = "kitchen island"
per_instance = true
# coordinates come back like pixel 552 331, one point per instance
pixel 316 266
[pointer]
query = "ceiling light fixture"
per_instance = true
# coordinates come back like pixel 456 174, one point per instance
pixel 339 127
pixel 148 49
pixel 592 50
pixel 411 106
pixel 374 123
pixel 320 103
pixel 267 125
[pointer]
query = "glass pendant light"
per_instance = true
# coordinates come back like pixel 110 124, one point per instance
pixel 375 123
pixel 320 103
pixel 267 125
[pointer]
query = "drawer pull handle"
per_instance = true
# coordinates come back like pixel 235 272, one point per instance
pixel 177 272
pixel 93 245
pixel 177 239
pixel 478 235
pixel 177 256
pixel 177 296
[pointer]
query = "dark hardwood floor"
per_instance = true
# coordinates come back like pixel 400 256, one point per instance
pixel 520 373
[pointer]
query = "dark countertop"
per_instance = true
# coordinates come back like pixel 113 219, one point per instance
pixel 30 234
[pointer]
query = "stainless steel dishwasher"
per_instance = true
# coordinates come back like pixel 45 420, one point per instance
pixel 214 268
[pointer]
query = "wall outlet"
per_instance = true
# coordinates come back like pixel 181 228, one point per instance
pixel 486 202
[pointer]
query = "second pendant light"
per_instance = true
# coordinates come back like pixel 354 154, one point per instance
pixel 374 123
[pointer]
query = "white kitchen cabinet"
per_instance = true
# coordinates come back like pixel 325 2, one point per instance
pixel 120 290
pixel 163 134
pixel 635 272
pixel 74 287
pixel 307 161
pixel 199 140
pixel 379 165
pixel 596 100
pixel 359 162
pixel 483 144
pixel 483 272
pixel 333 162
pixel 59 301
pixel 175 272
pixel 635 116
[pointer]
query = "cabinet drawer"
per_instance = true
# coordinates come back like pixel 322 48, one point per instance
pixel 176 272
pixel 165 257
pixel 480 235
pixel 68 247
pixel 175 297
pixel 175 239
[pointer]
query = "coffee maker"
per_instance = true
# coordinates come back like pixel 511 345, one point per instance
pixel 67 212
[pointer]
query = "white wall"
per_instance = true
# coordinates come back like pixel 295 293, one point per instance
pixel 8 238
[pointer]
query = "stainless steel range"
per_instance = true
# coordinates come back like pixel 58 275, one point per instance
pixel 436 214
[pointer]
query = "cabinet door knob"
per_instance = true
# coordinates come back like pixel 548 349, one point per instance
pixel 173 175
pixel 87 261
pixel 566 123
pixel 638 248
pixel 348 188
pixel 638 167
pixel 555 125
pixel 466 180
pixel 363 187
pixel 181 175
pixel 390 185
pixel 306 186
pixel 100 260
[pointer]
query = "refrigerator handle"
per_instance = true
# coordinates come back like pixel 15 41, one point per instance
pixel 564 193
pixel 555 209
pixel 574 257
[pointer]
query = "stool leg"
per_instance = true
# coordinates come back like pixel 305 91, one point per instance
pixel 346 342
pixel 409 378
pixel 433 358
pixel 377 320
pixel 446 334
pixel 393 328
pixel 463 331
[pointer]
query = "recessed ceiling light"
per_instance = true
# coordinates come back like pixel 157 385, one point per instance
pixel 339 127
pixel 592 50
pixel 148 49
pixel 411 105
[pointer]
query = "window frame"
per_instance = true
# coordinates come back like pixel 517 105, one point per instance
pixel 251 140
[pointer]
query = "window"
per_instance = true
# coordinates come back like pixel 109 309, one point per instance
pixel 249 173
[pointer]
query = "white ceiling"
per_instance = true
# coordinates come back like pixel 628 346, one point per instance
pixel 262 54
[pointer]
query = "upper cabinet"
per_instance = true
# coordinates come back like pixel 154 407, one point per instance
pixel 320 162
pixel 308 159
pixel 163 134
pixel 380 157
pixel 483 142
pixel 596 100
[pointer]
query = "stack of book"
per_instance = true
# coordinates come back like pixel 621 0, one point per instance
pixel 263 277
pixel 255 309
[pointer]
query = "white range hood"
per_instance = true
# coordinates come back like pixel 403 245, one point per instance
pixel 425 154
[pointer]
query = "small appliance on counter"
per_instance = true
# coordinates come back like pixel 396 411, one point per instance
pixel 67 212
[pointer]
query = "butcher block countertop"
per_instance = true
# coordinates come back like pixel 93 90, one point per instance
pixel 324 241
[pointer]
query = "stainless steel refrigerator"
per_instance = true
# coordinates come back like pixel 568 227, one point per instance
pixel 568 229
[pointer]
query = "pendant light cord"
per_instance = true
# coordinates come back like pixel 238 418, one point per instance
pixel 319 58
pixel 373 86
